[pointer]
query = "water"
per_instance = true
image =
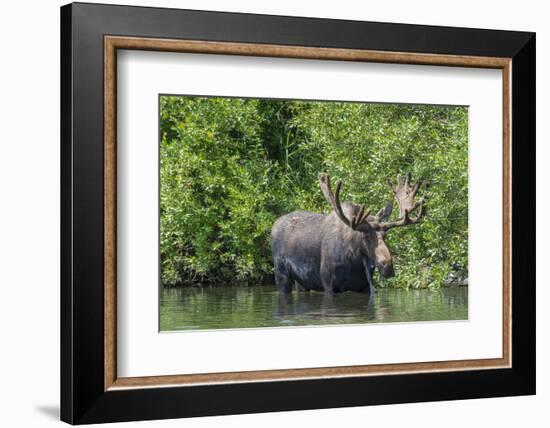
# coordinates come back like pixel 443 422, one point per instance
pixel 190 308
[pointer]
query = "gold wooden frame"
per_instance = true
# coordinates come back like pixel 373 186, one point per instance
pixel 113 43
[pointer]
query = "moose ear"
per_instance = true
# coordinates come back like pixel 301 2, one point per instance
pixel 385 212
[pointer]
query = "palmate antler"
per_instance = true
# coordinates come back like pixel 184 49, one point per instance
pixel 333 199
pixel 404 193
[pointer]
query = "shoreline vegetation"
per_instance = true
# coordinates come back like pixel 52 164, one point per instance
pixel 229 167
pixel 268 281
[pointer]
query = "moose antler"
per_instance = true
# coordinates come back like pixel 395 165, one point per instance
pixel 333 198
pixel 404 193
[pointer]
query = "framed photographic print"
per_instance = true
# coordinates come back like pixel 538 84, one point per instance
pixel 266 213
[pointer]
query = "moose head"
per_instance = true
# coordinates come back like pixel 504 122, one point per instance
pixel 373 228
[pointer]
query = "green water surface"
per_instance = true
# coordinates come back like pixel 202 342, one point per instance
pixel 190 308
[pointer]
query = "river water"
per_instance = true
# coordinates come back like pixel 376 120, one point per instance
pixel 190 308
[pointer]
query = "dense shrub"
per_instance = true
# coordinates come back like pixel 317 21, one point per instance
pixel 230 167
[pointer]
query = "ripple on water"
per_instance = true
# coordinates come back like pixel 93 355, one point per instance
pixel 190 308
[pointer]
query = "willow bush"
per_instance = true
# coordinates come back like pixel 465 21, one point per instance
pixel 229 167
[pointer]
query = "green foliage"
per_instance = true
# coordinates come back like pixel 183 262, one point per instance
pixel 230 167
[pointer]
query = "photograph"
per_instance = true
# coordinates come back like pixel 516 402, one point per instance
pixel 280 209
pixel 289 212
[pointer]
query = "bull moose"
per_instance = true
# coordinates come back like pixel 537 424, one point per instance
pixel 338 252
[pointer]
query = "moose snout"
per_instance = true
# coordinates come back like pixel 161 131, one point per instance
pixel 386 269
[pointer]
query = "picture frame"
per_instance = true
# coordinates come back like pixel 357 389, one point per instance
pixel 91 391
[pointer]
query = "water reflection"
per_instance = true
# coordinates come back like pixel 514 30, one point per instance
pixel 320 306
pixel 262 306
